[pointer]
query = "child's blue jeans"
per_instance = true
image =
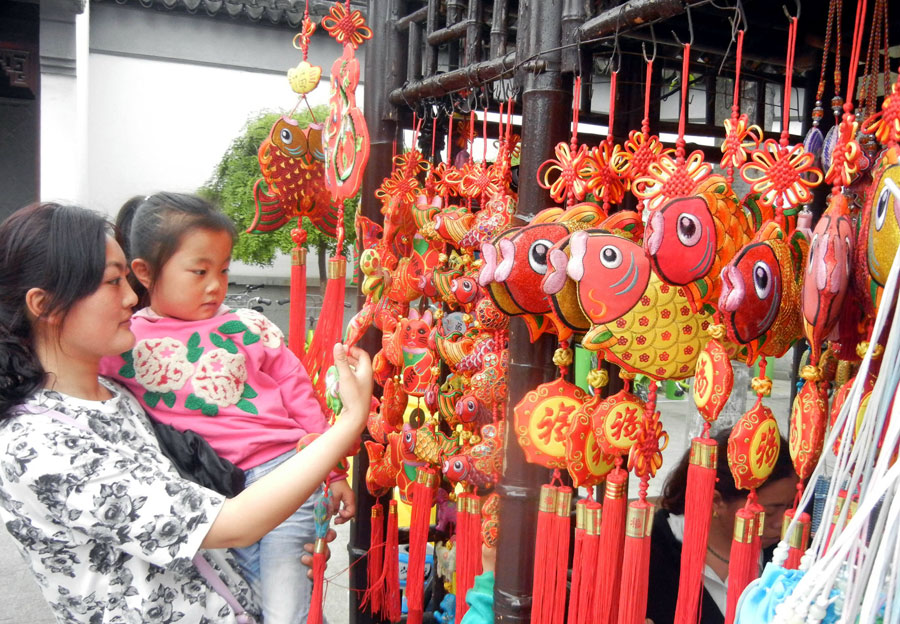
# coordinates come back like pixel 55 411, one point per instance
pixel 272 565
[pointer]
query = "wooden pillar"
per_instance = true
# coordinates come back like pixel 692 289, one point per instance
pixel 546 115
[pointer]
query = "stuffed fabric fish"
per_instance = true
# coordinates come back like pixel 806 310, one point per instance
pixel 290 160
pixel 884 227
pixel 690 239
pixel 760 300
pixel 516 260
pixel 827 273
pixel 639 322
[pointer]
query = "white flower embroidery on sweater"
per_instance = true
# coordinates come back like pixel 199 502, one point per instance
pixel 257 323
pixel 220 377
pixel 161 364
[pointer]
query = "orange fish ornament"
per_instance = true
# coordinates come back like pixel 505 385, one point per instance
pixel 638 321
pixel 293 182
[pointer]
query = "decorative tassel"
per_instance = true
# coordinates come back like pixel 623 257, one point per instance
pixel 297 323
pixel 590 551
pixel 374 596
pixel 559 557
pixel 392 601
pixel 742 566
pixel 422 501
pixel 798 540
pixel 612 542
pixel 701 485
pixel 320 559
pixel 577 562
pixel 636 564
pixel 759 520
pixel 328 329
pixel 542 549
pixel 465 566
pixel 475 536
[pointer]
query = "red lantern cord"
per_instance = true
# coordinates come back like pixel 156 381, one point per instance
pixel 737 129
pixel 682 117
pixel 392 598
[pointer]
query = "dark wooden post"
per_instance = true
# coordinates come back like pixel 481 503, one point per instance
pixel 545 121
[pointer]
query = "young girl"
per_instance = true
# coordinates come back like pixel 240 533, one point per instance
pixel 109 528
pixel 226 375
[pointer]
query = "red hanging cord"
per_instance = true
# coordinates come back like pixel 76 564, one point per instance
pixel 685 69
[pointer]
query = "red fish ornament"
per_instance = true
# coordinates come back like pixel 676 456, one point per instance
pixel 760 300
pixel 827 273
pixel 689 240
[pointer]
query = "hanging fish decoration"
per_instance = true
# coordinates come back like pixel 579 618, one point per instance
pixel 639 322
pixel 760 300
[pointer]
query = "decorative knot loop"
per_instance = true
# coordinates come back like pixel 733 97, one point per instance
pixel 762 386
pixel 811 373
pixel 716 331
pixel 562 357
pixel 597 378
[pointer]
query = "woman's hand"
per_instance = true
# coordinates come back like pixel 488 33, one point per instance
pixel 355 382
pixel 307 559
pixel 343 501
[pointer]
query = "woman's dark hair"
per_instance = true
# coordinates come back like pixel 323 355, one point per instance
pixel 151 229
pixel 676 483
pixel 59 249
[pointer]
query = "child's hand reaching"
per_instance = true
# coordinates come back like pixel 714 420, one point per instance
pixel 343 501
pixel 355 379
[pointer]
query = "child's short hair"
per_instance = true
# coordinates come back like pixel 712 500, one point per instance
pixel 151 228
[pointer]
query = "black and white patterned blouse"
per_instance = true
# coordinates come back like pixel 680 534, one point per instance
pixel 103 519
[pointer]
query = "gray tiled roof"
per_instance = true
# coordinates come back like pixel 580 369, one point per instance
pixel 274 11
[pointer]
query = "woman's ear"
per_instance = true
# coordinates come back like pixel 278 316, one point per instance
pixel 141 270
pixel 35 301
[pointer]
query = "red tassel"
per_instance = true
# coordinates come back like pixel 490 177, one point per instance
pixel 559 556
pixel 374 596
pixel 475 539
pixel 612 543
pixel 297 323
pixel 320 560
pixel 577 562
pixel 465 569
pixel 701 485
pixel 328 329
pixel 798 540
pixel 422 500
pixel 542 549
pixel 392 602
pixel 635 564
pixel 743 567
pixel 590 551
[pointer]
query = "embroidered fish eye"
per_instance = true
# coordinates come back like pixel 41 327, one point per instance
pixel 407 437
pixel 762 279
pixel 610 257
pixel 470 405
pixel 467 285
pixel 688 229
pixel 458 465
pixel 881 208
pixel 537 255
pixel 287 136
pixel 812 254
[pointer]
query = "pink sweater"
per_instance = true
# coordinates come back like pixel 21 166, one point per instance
pixel 230 379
